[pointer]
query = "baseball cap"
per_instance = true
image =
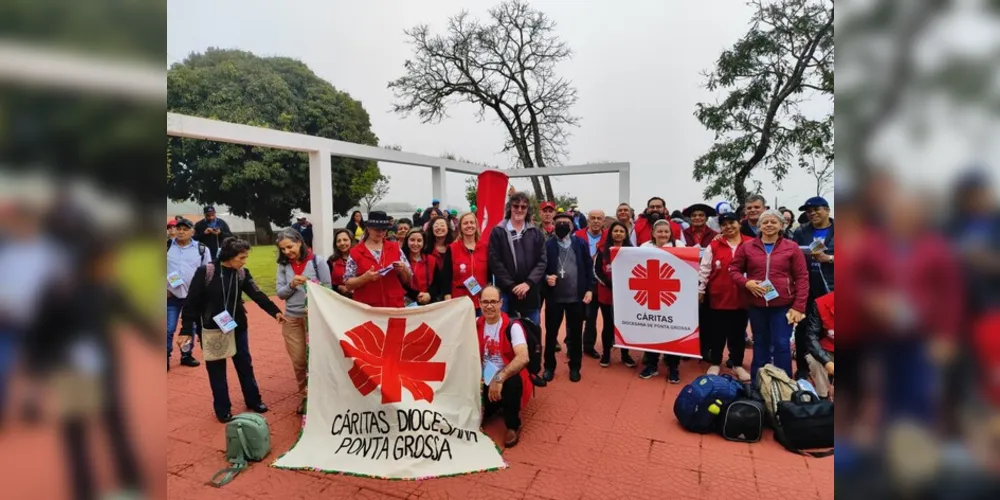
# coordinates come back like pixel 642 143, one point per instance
pixel 172 223
pixel 815 201
pixel 435 201
pixel 727 216
pixel 547 204
pixel 185 222
pixel 209 210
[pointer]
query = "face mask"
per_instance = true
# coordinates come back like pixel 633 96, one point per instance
pixel 562 230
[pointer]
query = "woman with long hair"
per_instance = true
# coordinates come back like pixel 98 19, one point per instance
pixel 773 271
pixel 377 268
pixel 438 241
pixel 297 265
pixel 215 290
pixel 618 237
pixel 467 260
pixel 343 241
pixel 663 236
pixel 725 319
pixel 357 225
pixel 425 287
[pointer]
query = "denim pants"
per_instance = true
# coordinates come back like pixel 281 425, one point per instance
pixel 9 344
pixel 772 337
pixel 534 315
pixel 174 308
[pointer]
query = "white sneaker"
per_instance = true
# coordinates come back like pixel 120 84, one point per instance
pixel 742 374
pixel 714 370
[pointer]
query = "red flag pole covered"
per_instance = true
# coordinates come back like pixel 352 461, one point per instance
pixel 491 199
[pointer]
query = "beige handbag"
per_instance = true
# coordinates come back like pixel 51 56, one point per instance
pixel 216 345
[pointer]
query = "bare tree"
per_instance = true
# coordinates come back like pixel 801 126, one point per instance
pixel 823 173
pixel 506 67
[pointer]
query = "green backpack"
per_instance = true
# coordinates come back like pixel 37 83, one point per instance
pixel 248 439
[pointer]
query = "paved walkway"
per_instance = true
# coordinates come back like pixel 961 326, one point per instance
pixel 612 435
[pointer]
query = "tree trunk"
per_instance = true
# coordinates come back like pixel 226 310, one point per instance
pixel 549 192
pixel 262 227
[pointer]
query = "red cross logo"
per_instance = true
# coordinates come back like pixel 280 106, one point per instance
pixel 394 360
pixel 654 284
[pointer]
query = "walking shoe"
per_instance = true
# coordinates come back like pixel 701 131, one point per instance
pixel 574 375
pixel 548 375
pixel 627 359
pixel 675 376
pixel 258 408
pixel 511 437
pixel 558 347
pixel 730 364
pixel 742 374
pixel 649 372
pixel 593 353
pixel 301 410
pixel 714 370
pixel 189 361
pixel 606 360
pixel 224 418
pixel 538 381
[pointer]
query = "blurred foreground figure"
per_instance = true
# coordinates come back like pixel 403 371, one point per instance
pixel 82 359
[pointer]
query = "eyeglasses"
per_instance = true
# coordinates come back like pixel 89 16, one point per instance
pixel 489 302
pixel 519 207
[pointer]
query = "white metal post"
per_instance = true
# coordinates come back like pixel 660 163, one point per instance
pixel 321 200
pixel 624 185
pixel 439 186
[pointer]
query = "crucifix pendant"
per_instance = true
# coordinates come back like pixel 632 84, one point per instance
pixel 562 273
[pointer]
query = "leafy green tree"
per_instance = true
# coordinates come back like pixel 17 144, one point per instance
pixel 262 184
pixel 784 59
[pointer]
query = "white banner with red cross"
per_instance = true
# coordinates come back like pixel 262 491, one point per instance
pixel 393 393
pixel 656 299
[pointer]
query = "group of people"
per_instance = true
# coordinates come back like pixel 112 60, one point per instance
pixel 753 269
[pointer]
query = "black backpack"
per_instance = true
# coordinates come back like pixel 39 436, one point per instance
pixel 805 423
pixel 533 337
pixel 201 248
pixel 743 421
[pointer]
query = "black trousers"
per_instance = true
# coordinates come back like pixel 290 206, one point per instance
pixel 244 371
pixel 703 324
pixel 509 404
pixel 802 346
pixel 590 326
pixel 650 360
pixel 608 330
pixel 723 327
pixel 77 442
pixel 554 313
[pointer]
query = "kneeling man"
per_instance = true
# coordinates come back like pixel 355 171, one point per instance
pixel 504 353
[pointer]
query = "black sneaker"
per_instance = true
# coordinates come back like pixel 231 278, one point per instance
pixel 258 408
pixel 224 418
pixel 593 353
pixel 538 381
pixel 730 364
pixel 649 372
pixel 574 375
pixel 548 375
pixel 606 360
pixel 675 376
pixel 629 362
pixel 558 347
pixel 189 361
pixel 168 363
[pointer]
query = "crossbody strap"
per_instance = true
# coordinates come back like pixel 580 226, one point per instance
pixel 225 476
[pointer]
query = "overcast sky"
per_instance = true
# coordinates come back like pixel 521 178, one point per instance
pixel 637 69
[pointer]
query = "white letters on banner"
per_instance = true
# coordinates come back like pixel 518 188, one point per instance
pixel 393 393
pixel 656 299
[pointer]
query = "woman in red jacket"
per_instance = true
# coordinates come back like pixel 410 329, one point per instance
pixel 467 261
pixel 342 243
pixel 617 236
pixel 725 320
pixel 377 268
pixel 777 285
pixel 425 287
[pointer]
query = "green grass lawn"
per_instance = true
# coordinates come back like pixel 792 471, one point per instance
pixel 263 266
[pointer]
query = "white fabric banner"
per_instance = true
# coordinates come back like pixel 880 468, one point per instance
pixel 393 393
pixel 656 299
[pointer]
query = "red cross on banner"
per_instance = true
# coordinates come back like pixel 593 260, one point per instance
pixel 653 284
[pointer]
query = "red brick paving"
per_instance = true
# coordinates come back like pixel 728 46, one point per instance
pixel 612 435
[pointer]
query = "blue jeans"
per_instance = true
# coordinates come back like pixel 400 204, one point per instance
pixel 174 308
pixel 772 337
pixel 534 315
pixel 911 380
pixel 9 344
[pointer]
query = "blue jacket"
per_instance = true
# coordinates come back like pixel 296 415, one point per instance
pixel 821 277
pixel 584 265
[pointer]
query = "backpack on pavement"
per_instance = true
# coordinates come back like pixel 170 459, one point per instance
pixel 248 439
pixel 700 404
pixel 743 421
pixel 775 386
pixel 805 422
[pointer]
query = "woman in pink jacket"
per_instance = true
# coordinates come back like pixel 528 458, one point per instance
pixel 772 270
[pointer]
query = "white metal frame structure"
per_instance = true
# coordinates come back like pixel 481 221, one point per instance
pixel 321 150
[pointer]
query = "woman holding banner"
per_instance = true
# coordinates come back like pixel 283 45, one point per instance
pixel 617 237
pixel 663 236
pixel 725 320
pixel 382 265
pixel 467 264
pixel 777 284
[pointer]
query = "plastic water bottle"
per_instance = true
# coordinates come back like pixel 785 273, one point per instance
pixel 805 385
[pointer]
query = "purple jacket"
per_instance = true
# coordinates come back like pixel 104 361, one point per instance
pixel 785 267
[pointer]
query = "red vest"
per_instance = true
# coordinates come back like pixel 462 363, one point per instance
pixel 337 269
pixel 507 352
pixel 706 236
pixel 644 231
pixel 825 306
pixel 423 272
pixel 604 294
pixel 387 291
pixel 723 293
pixel 465 264
pixel 584 234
